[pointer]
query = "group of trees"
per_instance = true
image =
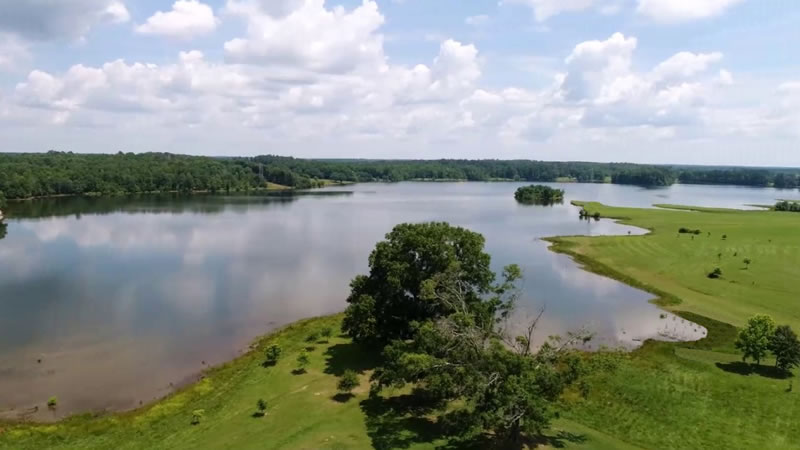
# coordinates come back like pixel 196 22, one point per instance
pixel 761 336
pixel 59 173
pixel 431 305
pixel 787 206
pixel 539 195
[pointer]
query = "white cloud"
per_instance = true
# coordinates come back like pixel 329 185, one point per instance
pixel 188 18
pixel 14 53
pixel 593 64
pixel 685 65
pixel 673 11
pixel 307 35
pixel 477 21
pixel 545 9
pixel 47 19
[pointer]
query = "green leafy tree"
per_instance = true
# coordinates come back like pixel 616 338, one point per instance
pixel 326 333
pixel 2 200
pixel 273 354
pixel 303 361
pixel 485 378
pixel 754 339
pixel 313 337
pixel 747 262
pixel 52 402
pixel 785 345
pixel 384 304
pixel 348 382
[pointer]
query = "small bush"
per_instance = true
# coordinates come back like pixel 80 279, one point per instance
pixel 313 337
pixel 327 332
pixel 273 354
pixel 261 408
pixel 716 273
pixel 348 382
pixel 302 362
pixel 197 416
pixel 52 402
pixel 684 230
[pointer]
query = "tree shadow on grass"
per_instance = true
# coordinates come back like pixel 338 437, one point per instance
pixel 342 397
pixel 742 368
pixel 399 422
pixel 342 357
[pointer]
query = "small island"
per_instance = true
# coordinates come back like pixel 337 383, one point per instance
pixel 539 195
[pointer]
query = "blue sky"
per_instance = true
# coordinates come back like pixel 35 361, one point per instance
pixel 661 81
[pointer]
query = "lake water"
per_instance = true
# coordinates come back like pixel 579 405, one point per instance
pixel 110 302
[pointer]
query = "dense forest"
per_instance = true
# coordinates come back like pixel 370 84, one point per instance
pixel 59 173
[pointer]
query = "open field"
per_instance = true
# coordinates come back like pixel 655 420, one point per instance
pixel 698 395
pixel 303 410
pixel 675 266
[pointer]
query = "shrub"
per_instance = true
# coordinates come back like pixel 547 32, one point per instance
pixel 52 402
pixel 261 408
pixel 273 354
pixel 716 273
pixel 313 337
pixel 302 362
pixel 684 230
pixel 348 382
pixel 197 416
pixel 327 332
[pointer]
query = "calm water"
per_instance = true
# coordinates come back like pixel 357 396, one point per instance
pixel 107 303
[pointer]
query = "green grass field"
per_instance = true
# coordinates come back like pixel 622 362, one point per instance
pixel 662 396
pixel 698 395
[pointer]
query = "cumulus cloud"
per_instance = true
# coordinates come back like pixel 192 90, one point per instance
pixel 544 9
pixel 672 11
pixel 188 18
pixel 47 20
pixel 14 52
pixel 306 34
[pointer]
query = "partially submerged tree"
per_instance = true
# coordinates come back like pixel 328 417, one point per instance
pixel 385 303
pixel 754 339
pixel 785 345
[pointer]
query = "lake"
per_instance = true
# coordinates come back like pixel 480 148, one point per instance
pixel 108 303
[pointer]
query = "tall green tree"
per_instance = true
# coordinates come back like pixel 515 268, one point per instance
pixel 384 304
pixel 754 339
pixel 785 345
pixel 483 378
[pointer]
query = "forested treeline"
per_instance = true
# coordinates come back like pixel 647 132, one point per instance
pixel 57 173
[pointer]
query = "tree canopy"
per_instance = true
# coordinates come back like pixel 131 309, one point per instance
pixel 383 304
pixel 785 345
pixel 754 339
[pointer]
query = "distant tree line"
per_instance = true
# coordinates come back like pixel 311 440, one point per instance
pixel 60 173
pixel 787 206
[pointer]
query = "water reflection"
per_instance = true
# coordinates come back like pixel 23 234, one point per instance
pixel 106 302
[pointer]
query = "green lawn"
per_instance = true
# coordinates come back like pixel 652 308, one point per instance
pixel 303 410
pixel 674 266
pixel 698 395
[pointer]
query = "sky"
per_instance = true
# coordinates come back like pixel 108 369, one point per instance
pixel 648 81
